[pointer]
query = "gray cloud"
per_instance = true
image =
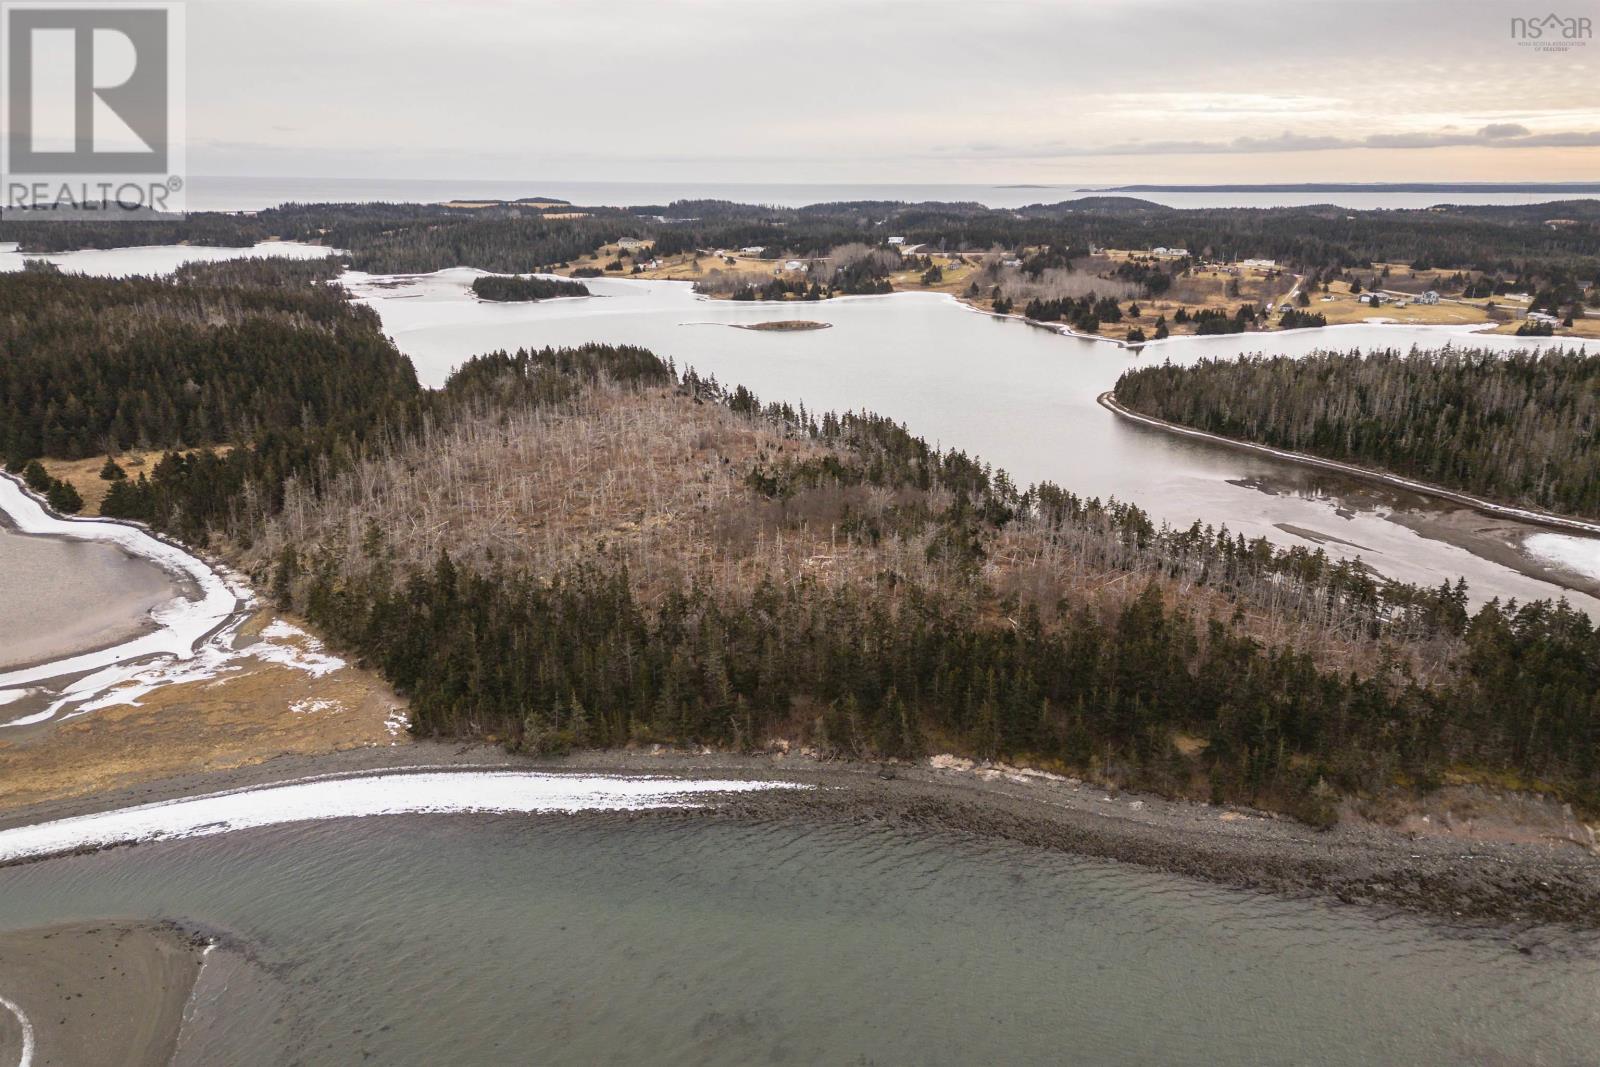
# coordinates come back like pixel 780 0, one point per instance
pixel 1495 135
pixel 872 90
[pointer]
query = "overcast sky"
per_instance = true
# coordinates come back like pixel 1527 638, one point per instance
pixel 888 90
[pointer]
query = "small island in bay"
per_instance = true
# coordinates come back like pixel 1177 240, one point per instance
pixel 513 288
pixel 783 325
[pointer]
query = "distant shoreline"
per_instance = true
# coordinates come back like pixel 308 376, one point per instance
pixel 1358 187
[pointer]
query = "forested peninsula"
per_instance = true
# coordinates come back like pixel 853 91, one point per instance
pixel 1518 428
pixel 590 547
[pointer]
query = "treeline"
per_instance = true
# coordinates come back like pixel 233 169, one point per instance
pixel 1082 313
pixel 1519 427
pixel 258 354
pixel 896 664
pixel 1516 243
pixel 514 288
pixel 1295 319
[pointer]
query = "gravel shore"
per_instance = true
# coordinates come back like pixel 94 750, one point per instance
pixel 1545 878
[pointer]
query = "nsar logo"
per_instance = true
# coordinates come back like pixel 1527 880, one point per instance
pixel 1552 33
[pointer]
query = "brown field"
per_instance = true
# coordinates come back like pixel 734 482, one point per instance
pixel 1346 308
pixel 236 719
pixel 689 268
pixel 84 474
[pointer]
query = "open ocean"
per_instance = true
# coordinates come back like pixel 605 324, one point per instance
pixel 213 193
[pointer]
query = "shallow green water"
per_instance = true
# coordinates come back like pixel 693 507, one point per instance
pixel 669 939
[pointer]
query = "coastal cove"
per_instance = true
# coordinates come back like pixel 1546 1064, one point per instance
pixel 137 597
pixel 712 930
pixel 1018 396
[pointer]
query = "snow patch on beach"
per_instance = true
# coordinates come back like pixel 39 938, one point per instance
pixel 291 646
pixel 432 792
pixel 397 723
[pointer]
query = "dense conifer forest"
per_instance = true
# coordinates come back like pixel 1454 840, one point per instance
pixel 1520 427
pixel 587 546
pixel 259 353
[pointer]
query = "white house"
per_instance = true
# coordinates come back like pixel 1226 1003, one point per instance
pixel 795 264
pixel 1261 264
pixel 1429 297
pixel 627 244
pixel 897 240
pixel 752 250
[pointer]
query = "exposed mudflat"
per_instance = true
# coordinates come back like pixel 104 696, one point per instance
pixel 106 992
pixel 59 597
pixel 1496 539
pixel 1549 873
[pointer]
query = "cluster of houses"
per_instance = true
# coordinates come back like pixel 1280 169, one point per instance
pixel 1378 299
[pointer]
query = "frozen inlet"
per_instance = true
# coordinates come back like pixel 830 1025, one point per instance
pixel 184 623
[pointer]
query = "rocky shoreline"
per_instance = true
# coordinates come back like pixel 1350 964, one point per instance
pixel 1456 873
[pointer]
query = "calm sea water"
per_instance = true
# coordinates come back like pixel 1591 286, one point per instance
pixel 680 940
pixel 249 194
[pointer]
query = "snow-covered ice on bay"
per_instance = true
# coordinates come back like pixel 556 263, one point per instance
pixel 1578 554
